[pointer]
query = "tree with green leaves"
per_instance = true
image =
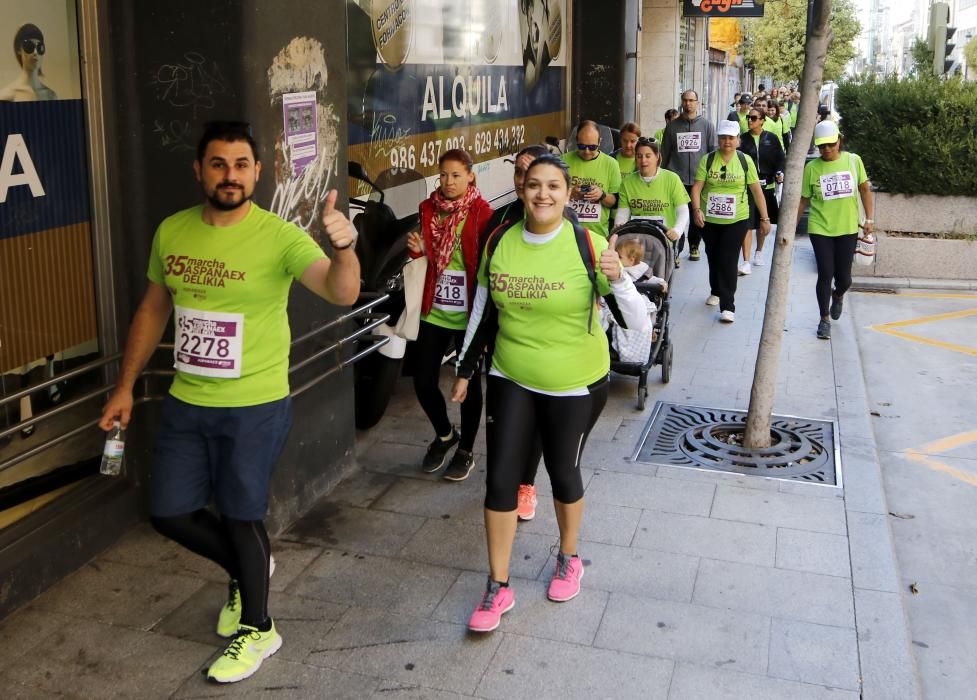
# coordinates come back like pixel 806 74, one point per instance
pixel 774 44
pixel 922 57
pixel 970 53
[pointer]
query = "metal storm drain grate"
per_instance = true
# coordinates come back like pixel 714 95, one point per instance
pixel 803 449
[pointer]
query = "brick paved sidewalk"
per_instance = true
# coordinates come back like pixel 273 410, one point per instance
pixel 698 585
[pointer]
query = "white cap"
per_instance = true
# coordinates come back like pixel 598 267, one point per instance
pixel 728 128
pixel 825 132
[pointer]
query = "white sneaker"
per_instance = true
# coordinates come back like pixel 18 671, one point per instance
pixel 758 259
pixel 713 300
pixel 727 316
pixel 744 268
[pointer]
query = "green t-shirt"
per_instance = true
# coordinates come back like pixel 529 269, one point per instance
pixel 229 287
pixel 659 135
pixel 625 164
pixel 744 124
pixel 450 309
pixel 658 199
pixel 777 128
pixel 724 196
pixel 832 187
pixel 544 299
pixel 602 172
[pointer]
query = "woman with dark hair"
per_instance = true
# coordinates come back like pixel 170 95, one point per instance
pixel 765 150
pixel 630 133
pixel 653 193
pixel 537 296
pixel 723 183
pixel 829 186
pixel 452 221
pixel 29 50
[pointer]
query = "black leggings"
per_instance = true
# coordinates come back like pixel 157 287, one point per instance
pixel 516 419
pixel 723 245
pixel 431 345
pixel 834 256
pixel 240 547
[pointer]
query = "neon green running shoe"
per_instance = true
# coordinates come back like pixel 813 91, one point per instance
pixel 243 656
pixel 229 619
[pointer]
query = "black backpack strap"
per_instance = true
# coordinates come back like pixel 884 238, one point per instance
pixel 746 171
pixel 586 247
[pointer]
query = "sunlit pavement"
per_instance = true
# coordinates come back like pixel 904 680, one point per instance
pixel 698 584
pixel 919 351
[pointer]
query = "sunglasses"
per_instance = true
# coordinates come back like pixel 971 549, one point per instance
pixel 723 171
pixel 32 45
pixel 753 119
pixel 587 146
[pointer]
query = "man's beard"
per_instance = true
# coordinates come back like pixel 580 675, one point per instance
pixel 217 203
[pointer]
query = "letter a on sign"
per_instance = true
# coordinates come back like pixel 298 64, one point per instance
pixel 15 148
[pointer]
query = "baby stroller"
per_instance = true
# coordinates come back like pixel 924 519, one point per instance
pixel 660 256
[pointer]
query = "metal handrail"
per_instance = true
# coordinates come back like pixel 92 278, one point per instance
pixel 80 369
pixel 375 320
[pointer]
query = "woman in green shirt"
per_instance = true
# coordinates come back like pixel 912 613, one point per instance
pixel 719 196
pixel 653 193
pixel 537 284
pixel 452 220
pixel 829 186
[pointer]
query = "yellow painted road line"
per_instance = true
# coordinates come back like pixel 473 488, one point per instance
pixel 890 328
pixel 937 465
pixel 952 442
pixel 943 445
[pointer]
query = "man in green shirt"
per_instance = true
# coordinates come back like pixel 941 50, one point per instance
pixel 225 268
pixel 742 109
pixel 595 179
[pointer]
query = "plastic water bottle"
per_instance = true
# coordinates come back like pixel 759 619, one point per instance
pixel 115 445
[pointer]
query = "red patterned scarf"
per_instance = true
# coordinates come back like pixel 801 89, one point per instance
pixel 444 228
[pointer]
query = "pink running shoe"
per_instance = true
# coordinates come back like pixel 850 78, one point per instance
pixel 496 601
pixel 526 506
pixel 565 584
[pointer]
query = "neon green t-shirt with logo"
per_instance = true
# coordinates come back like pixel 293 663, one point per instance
pixel 724 195
pixel 625 164
pixel 544 299
pixel 658 199
pixel 450 308
pixel 601 172
pixel 832 187
pixel 777 128
pixel 229 287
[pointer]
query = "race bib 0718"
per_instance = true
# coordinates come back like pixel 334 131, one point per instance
pixel 208 343
pixel 721 206
pixel 451 292
pixel 837 186
pixel 586 211
pixel 689 142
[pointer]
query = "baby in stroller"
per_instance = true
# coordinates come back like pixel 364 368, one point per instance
pixel 628 345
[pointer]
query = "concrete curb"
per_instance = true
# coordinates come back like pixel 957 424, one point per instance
pixel 912 283
pixel 886 662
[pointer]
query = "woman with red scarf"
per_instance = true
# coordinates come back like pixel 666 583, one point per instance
pixel 452 219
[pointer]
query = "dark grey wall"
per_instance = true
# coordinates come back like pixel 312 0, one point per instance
pixel 598 62
pixel 183 63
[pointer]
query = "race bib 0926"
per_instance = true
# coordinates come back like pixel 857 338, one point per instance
pixel 689 142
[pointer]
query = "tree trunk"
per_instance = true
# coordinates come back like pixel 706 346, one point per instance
pixel 768 355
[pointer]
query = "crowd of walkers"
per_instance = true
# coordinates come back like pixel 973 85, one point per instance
pixel 515 292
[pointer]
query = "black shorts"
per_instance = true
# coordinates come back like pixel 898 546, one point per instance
pixel 224 453
pixel 773 209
